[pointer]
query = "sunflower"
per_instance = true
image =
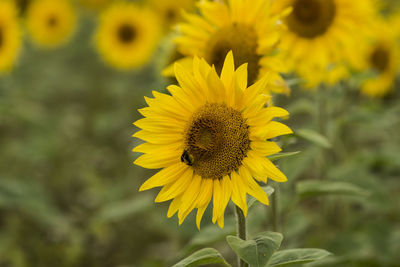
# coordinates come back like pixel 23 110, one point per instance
pixel 320 35
pixel 10 35
pixel 95 4
pixel 244 26
pixel 50 23
pixel 381 55
pixel 127 35
pixel 170 11
pixel 22 5
pixel 210 139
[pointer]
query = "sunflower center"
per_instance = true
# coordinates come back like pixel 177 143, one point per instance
pixel 52 21
pixel 171 15
pixel 126 33
pixel 242 40
pixel 1 37
pixel 311 18
pixel 216 141
pixel 380 59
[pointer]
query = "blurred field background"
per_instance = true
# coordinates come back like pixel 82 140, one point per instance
pixel 69 191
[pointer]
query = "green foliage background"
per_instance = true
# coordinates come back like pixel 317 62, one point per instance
pixel 69 191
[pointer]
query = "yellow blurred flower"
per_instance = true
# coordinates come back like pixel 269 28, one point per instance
pixel 320 35
pixel 127 35
pixel 95 4
pixel 380 53
pixel 10 35
pixel 50 23
pixel 210 138
pixel 170 11
pixel 244 26
pixel 22 5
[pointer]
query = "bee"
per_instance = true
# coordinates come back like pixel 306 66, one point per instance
pixel 187 158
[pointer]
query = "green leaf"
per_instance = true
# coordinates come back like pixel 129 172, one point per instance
pixel 317 188
pixel 201 257
pixel 314 137
pixel 257 251
pixel 269 190
pixel 282 155
pixel 297 256
pixel 30 198
pixel 211 234
pixel 118 210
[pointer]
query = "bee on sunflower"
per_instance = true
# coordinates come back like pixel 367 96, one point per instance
pixel 244 26
pixel 380 54
pixel 10 35
pixel 125 38
pixel 50 23
pixel 211 138
pixel 320 35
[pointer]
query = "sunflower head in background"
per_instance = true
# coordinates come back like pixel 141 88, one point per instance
pixel 22 6
pixel 321 34
pixel 211 138
pixel 170 11
pixel 95 4
pixel 380 54
pixel 244 26
pixel 127 35
pixel 10 35
pixel 50 23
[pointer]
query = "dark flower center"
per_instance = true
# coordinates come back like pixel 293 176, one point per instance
pixel 243 41
pixel 311 18
pixel 1 37
pixel 216 141
pixel 52 21
pixel 126 33
pixel 380 58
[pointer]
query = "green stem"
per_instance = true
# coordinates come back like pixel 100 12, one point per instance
pixel 241 231
pixel 322 121
pixel 322 112
pixel 275 210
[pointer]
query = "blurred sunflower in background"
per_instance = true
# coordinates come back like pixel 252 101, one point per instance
pixel 210 139
pixel 50 23
pixel 94 4
pixel 243 26
pixel 170 11
pixel 380 54
pixel 10 35
pixel 127 35
pixel 22 5
pixel 321 35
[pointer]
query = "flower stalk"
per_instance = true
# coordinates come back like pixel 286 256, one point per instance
pixel 241 231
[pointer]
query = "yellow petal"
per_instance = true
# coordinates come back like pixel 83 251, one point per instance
pixel 174 206
pixel 189 198
pixel 273 129
pixel 265 148
pixel 175 188
pixel 159 159
pixel 228 70
pixel 222 194
pixel 239 192
pixel 165 176
pixel 217 199
pixel 253 188
pixel 159 138
pixel 199 215
pixel 241 76
pixel 206 192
